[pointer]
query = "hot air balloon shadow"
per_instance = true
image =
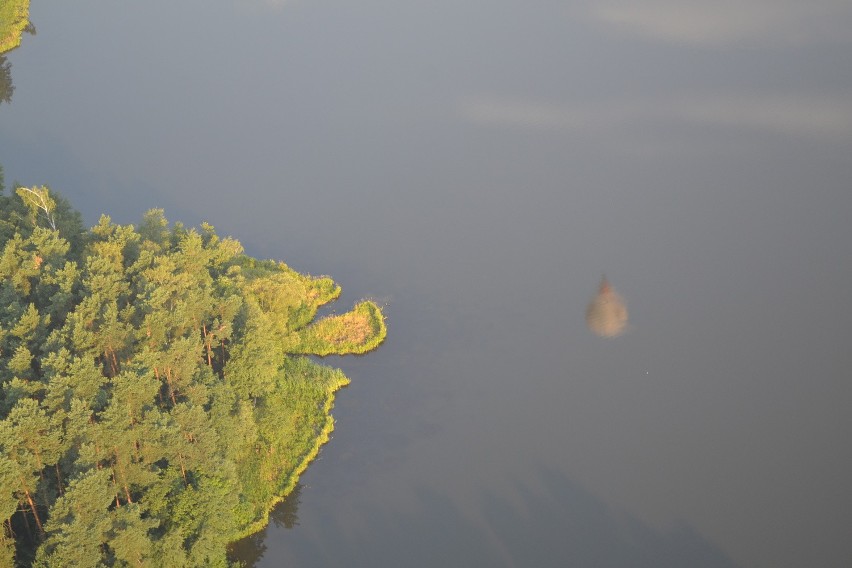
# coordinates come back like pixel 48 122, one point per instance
pixel 606 314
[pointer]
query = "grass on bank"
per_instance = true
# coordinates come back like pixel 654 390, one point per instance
pixel 14 18
pixel 355 332
pixel 293 423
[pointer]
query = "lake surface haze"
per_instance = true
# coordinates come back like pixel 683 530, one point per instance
pixel 476 167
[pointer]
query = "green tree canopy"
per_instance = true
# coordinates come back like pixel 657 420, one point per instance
pixel 155 397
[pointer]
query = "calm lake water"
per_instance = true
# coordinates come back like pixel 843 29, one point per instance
pixel 477 166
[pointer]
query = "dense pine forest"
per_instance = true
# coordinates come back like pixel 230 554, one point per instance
pixel 155 391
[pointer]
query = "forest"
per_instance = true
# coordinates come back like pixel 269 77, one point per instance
pixel 157 394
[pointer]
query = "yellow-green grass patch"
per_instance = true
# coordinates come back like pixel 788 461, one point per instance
pixel 14 18
pixel 354 332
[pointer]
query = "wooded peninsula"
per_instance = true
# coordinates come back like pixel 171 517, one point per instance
pixel 156 394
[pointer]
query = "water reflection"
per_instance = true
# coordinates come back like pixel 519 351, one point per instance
pixel 781 112
pixel 722 192
pixel 286 514
pixel 547 520
pixel 607 312
pixel 251 549
pixel 756 22
pixel 6 86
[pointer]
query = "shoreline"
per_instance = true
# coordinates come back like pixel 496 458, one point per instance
pixel 322 438
pixel 16 14
pixel 378 333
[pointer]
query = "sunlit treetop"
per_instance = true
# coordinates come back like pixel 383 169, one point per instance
pixel 155 397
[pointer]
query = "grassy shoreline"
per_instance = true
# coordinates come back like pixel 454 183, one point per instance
pixel 14 18
pixel 292 478
pixel 328 336
pixel 356 332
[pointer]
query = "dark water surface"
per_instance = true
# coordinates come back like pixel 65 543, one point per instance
pixel 477 166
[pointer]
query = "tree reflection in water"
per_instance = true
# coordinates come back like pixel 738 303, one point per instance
pixel 251 549
pixel 545 519
pixel 6 87
pixel 286 513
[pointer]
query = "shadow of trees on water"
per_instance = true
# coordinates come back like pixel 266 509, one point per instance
pixel 6 86
pixel 553 522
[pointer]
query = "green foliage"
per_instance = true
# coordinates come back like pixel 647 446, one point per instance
pixel 14 18
pixel 358 331
pixel 39 203
pixel 155 401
